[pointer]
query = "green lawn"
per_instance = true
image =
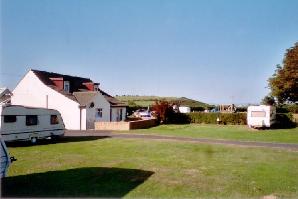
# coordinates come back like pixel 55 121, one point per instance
pixel 152 169
pixel 231 132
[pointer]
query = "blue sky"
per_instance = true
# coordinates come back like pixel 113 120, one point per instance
pixel 216 51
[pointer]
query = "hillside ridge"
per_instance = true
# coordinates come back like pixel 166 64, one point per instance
pixel 144 101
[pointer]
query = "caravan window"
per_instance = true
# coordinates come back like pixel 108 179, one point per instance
pixel 54 119
pixel 31 120
pixel 10 118
pixel 258 114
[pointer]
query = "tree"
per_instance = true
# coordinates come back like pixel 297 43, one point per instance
pixel 163 110
pixel 268 100
pixel 165 113
pixel 284 82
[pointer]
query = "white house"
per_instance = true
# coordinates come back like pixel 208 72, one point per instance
pixel 79 100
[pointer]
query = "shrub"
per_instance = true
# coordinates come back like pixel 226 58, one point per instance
pixel 198 108
pixel 281 110
pixel 206 118
pixel 234 118
pixel 241 109
pixel 292 108
pixel 178 118
pixel 287 108
pixel 165 114
pixel 163 111
pixel 211 118
pixel 131 109
pixel 284 121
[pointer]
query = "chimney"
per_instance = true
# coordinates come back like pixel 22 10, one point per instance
pixel 89 85
pixel 58 81
pixel 96 86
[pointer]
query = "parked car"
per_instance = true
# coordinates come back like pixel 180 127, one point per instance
pixel 214 110
pixel 143 113
pixel 27 123
pixel 6 160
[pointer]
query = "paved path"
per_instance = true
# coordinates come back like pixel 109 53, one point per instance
pixel 110 134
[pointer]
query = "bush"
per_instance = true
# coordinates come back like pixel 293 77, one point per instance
pixel 200 117
pixel 163 111
pixel 178 118
pixel 131 109
pixel 241 109
pixel 281 110
pixel 211 118
pixel 284 121
pixel 198 108
pixel 292 108
pixel 287 108
pixel 234 118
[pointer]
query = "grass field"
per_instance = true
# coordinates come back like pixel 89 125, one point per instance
pixel 230 132
pixel 91 167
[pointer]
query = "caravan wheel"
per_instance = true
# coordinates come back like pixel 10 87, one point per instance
pixel 55 137
pixel 33 140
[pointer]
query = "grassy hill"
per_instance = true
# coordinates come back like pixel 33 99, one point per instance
pixel 144 101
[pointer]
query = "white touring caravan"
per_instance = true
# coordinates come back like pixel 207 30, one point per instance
pixel 5 159
pixel 27 123
pixel 184 109
pixel 261 116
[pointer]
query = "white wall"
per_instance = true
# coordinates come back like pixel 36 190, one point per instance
pixel 116 114
pixel 184 109
pixel 123 113
pixel 99 102
pixel 83 119
pixel 32 92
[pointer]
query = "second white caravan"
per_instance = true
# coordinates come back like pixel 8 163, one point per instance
pixel 28 123
pixel 261 116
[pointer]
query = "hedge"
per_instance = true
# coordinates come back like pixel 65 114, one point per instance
pixel 283 120
pixel 211 118
pixel 288 108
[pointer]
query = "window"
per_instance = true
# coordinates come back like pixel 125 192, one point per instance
pixel 91 105
pixel 96 87
pixel 10 118
pixel 121 113
pixel 258 114
pixel 54 119
pixel 66 86
pixel 98 113
pixel 31 120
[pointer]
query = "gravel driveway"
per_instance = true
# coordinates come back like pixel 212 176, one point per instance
pixel 111 134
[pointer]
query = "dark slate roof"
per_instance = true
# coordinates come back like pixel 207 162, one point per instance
pixel 78 91
pixel 112 100
pixel 5 95
pixel 75 82
pixel 84 98
pixel 5 91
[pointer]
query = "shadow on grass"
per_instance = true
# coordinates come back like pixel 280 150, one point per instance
pixel 64 139
pixel 80 182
